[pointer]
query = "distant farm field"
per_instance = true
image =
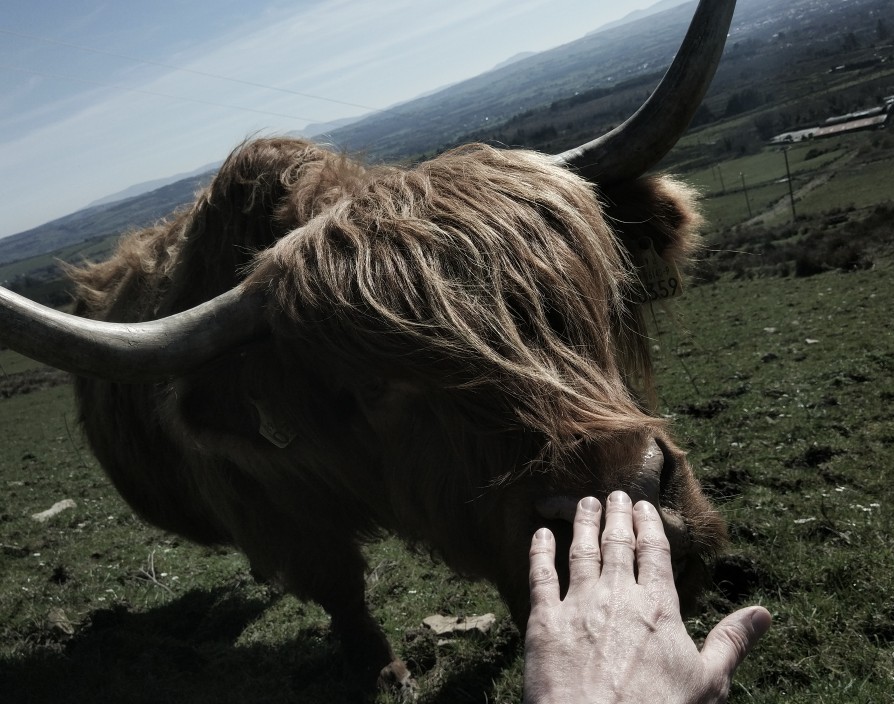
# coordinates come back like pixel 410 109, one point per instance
pixel 783 389
pixel 852 171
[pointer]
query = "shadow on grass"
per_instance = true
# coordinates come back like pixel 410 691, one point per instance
pixel 183 651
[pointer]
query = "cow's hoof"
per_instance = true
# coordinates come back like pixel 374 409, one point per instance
pixel 396 678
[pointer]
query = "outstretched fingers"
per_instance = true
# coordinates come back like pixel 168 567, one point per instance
pixel 618 542
pixel 542 576
pixel 584 556
pixel 653 553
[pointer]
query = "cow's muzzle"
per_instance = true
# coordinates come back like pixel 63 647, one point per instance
pixel 651 482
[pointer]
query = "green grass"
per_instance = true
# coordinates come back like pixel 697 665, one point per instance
pixel 856 186
pixel 727 209
pixel 767 166
pixel 154 618
pixel 12 363
pixel 782 388
pixel 94 249
pixel 796 376
pixel 849 172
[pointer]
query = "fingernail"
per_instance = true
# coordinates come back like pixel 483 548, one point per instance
pixel 760 621
pixel 543 534
pixel 590 503
pixel 619 498
pixel 644 507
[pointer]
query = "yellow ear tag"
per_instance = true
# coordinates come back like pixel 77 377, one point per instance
pixel 659 279
pixel 277 433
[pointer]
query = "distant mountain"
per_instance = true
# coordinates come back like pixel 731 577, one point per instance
pixel 136 206
pixel 101 220
pixel 528 83
pixel 513 59
pixel 315 129
pixel 312 130
pixel 147 186
pixel 641 14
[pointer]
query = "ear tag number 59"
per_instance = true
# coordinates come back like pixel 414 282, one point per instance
pixel 659 278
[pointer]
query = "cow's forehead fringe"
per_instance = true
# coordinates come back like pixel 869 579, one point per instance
pixel 481 269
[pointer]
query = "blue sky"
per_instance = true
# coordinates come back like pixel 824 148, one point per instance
pixel 96 96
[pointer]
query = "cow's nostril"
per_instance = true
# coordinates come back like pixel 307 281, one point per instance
pixel 668 469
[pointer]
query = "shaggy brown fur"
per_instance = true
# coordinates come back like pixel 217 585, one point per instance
pixel 450 343
pixel 490 270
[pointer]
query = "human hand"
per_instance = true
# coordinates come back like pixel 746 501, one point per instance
pixel 617 636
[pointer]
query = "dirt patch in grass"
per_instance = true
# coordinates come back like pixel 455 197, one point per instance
pixel 32 380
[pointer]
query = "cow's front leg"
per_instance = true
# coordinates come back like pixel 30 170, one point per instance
pixel 332 573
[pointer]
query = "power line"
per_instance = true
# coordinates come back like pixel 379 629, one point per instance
pixel 194 72
pixel 154 93
pixel 394 110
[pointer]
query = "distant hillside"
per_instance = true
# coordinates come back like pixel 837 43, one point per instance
pixel 101 220
pixel 149 186
pixel 640 14
pixel 557 98
pixel 312 130
pixel 600 59
pixel 513 59
pixel 315 129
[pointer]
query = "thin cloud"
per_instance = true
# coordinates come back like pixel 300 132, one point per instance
pixel 64 144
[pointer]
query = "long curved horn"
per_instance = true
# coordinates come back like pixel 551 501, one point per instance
pixel 635 146
pixel 131 352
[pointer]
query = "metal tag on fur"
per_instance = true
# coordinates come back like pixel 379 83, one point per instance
pixel 659 278
pixel 270 430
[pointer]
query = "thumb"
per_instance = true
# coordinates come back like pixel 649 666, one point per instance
pixel 730 640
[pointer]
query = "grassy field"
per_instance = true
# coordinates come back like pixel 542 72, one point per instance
pixel 93 249
pixel 781 387
pixel 97 606
pixel 847 172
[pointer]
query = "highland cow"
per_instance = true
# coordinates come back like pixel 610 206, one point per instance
pixel 445 352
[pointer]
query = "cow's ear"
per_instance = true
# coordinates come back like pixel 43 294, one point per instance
pixel 659 208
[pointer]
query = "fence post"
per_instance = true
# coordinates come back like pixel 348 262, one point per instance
pixel 791 193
